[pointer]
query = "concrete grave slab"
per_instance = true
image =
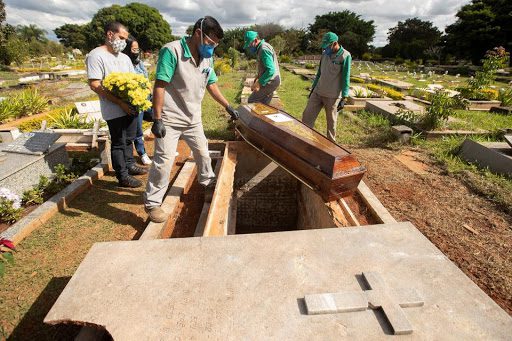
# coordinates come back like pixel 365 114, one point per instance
pixel 392 108
pixel 253 287
pixel 394 83
pixel 508 139
pixel 497 156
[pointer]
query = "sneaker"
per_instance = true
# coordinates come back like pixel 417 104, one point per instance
pixel 130 182
pixel 145 159
pixel 156 214
pixel 136 170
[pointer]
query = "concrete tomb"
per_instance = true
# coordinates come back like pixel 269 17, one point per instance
pixel 263 286
pixel 497 156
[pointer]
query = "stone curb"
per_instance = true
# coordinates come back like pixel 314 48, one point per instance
pixel 20 230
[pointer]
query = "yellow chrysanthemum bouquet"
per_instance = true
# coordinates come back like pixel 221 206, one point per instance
pixel 131 88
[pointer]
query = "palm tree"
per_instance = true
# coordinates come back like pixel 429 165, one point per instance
pixel 31 32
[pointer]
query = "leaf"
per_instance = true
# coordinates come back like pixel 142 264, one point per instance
pixel 9 257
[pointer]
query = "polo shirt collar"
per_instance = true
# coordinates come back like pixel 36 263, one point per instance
pixel 184 46
pixel 261 43
pixel 340 51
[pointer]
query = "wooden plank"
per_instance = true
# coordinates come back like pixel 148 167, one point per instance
pixel 376 208
pixel 348 213
pixel 218 218
pixel 206 207
pixel 171 200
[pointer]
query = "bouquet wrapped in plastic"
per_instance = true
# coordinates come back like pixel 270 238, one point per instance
pixel 131 88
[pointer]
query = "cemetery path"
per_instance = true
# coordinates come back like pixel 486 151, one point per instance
pixel 47 259
pixel 469 229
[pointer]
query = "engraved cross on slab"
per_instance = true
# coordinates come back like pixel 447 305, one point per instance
pixel 391 302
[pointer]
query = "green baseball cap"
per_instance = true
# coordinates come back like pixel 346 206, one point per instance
pixel 328 39
pixel 249 37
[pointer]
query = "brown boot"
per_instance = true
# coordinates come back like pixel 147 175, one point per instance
pixel 156 214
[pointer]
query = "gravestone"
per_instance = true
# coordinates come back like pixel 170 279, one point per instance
pixel 256 287
pixel 392 108
pixel 497 156
pixel 90 109
pixel 28 157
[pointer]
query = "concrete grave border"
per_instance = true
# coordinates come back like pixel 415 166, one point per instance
pixel 24 227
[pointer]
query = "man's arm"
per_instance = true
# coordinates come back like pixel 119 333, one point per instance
pixel 158 98
pixel 267 58
pixel 214 91
pixel 345 77
pixel 97 87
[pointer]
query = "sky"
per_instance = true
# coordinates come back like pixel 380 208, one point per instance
pixel 49 14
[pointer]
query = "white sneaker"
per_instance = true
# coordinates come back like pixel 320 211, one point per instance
pixel 145 159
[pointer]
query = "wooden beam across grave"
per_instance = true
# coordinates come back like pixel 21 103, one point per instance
pixel 325 166
pixel 218 221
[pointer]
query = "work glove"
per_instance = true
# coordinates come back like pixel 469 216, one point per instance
pixel 232 113
pixel 341 104
pixel 158 128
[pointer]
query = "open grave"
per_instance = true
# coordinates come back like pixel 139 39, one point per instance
pixel 274 259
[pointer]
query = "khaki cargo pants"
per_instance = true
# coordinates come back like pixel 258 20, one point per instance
pixel 315 104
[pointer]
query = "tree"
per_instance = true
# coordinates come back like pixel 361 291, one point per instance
pixel 72 35
pixel 145 23
pixel 296 41
pixel 31 33
pixel 268 31
pixel 410 39
pixel 354 32
pixel 14 50
pixel 278 43
pixel 2 19
pixel 480 26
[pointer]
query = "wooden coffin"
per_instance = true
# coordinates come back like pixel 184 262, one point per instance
pixel 325 166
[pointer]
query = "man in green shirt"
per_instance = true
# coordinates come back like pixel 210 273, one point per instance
pixel 331 84
pixel 184 71
pixel 268 78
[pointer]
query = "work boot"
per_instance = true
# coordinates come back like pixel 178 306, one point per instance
pixel 136 170
pixel 156 214
pixel 209 189
pixel 130 182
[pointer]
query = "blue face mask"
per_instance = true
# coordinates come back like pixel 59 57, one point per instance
pixel 328 50
pixel 206 51
pixel 253 49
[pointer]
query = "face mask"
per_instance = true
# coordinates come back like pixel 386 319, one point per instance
pixel 328 50
pixel 118 45
pixel 205 50
pixel 135 57
pixel 253 49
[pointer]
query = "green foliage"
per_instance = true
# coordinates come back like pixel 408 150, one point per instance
pixel 69 119
pixel 31 32
pixel 34 196
pixel 8 213
pixel 278 43
pixel 6 255
pixel 411 39
pixel 505 97
pixel 476 87
pixel 310 66
pixel 355 32
pixel 15 50
pixel 234 57
pixel 25 103
pixel 441 107
pixel 284 58
pixel 143 21
pixel 31 125
pixel 72 35
pixel 480 26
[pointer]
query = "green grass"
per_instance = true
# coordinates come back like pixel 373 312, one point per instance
pixel 474 120
pixel 215 118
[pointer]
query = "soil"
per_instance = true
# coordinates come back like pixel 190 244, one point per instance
pixel 470 230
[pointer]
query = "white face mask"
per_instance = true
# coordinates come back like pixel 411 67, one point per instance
pixel 118 45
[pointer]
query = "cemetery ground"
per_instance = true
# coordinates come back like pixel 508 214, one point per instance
pixel 464 211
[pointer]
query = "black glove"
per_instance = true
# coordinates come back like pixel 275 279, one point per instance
pixel 341 104
pixel 158 128
pixel 233 113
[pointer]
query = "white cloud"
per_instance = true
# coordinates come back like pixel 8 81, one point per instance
pixel 50 14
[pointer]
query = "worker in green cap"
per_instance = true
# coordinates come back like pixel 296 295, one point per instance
pixel 331 85
pixel 268 78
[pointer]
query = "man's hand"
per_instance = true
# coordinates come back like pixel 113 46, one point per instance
pixel 158 128
pixel 341 104
pixel 232 113
pixel 127 108
pixel 256 85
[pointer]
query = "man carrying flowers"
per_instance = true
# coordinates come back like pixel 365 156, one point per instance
pixel 184 71
pixel 120 115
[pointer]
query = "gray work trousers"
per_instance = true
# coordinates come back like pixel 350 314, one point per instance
pixel 265 93
pixel 315 104
pixel 163 160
